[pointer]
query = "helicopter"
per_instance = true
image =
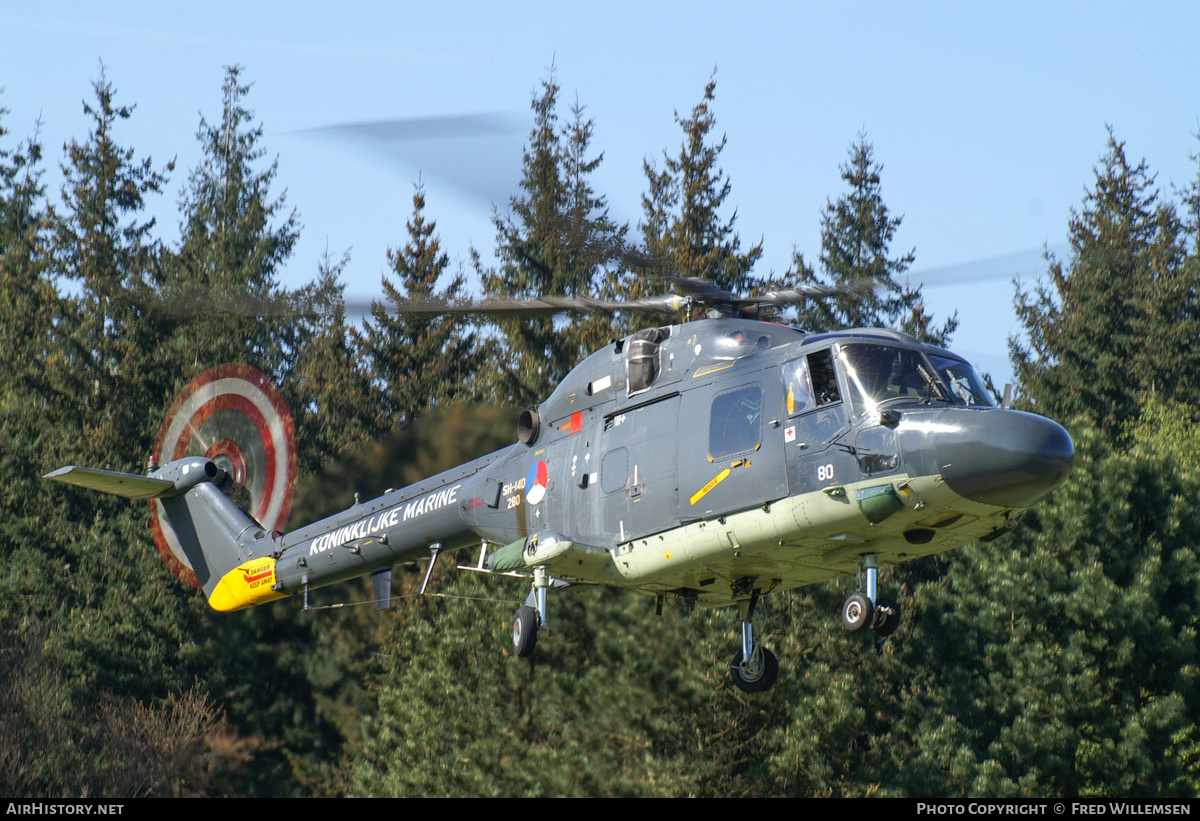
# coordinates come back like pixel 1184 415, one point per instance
pixel 712 461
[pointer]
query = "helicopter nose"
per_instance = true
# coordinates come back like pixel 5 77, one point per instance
pixel 1002 457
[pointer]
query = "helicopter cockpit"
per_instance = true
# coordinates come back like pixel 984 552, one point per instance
pixel 810 382
pixel 965 384
pixel 879 374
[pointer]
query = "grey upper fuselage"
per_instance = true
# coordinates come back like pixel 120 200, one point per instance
pixel 667 434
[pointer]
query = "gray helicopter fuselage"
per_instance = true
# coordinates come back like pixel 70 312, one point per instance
pixel 689 459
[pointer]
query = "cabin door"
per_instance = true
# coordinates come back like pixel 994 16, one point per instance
pixel 731 448
pixel 637 478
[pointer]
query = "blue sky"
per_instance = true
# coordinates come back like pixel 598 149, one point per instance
pixel 987 117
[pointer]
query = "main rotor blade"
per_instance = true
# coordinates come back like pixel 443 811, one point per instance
pixel 404 129
pixel 198 301
pixel 1026 264
pixel 479 155
pixel 546 306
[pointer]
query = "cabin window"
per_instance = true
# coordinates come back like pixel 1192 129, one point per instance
pixel 614 470
pixel 735 424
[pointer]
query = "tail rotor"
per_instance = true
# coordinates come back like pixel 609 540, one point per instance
pixel 233 415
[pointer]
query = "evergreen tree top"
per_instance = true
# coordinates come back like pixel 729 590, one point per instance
pixel 104 190
pixel 228 202
pixel 1095 325
pixel 556 240
pixel 682 226
pixel 857 231
pixel 424 360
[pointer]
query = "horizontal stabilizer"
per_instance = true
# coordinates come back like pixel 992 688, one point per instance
pixel 129 485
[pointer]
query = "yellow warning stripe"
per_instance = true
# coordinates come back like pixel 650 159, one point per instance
pixel 716 480
pixel 712 369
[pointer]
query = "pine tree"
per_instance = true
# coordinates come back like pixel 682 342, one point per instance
pixel 856 234
pixel 104 694
pixel 105 361
pixel 1061 659
pixel 235 238
pixel 1096 330
pixel 419 361
pixel 595 715
pixel 1172 307
pixel 23 221
pixel 270 668
pixel 31 307
pixel 556 241
pixel 29 722
pixel 104 245
pixel 682 229
pixel 594 243
pixel 337 407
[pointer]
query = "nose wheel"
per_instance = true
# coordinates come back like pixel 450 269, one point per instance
pixel 857 612
pixel 887 618
pixel 866 608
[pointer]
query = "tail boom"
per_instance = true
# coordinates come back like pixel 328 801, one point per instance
pixel 239 564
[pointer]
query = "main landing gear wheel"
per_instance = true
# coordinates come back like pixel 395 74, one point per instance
pixel 857 612
pixel 525 630
pixel 755 678
pixel 887 618
pixel 754 668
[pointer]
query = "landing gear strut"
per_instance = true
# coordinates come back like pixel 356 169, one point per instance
pixel 754 667
pixel 867 609
pixel 528 622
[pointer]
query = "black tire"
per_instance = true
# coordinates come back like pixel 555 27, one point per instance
pixel 525 631
pixel 887 618
pixel 857 612
pixel 765 680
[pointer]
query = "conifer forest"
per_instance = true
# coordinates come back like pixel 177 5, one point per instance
pixel 1061 659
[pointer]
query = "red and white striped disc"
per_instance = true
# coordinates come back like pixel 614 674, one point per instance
pixel 233 415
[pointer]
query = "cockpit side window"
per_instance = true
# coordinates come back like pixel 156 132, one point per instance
pixel 797 386
pixel 810 382
pixel 820 365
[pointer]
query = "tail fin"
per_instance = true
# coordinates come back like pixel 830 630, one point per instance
pixel 230 553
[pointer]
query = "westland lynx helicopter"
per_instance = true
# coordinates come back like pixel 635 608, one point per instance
pixel 713 462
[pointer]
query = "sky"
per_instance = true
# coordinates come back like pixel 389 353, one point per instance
pixel 988 118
